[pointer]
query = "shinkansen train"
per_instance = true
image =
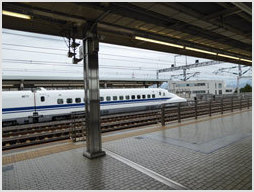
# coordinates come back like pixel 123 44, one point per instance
pixel 20 107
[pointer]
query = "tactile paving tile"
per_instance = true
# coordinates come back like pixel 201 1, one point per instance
pixel 229 167
pixel 71 171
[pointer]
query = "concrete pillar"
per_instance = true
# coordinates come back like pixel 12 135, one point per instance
pixel 92 97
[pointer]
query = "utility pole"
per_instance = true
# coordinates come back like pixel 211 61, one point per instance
pixel 239 74
pixel 238 78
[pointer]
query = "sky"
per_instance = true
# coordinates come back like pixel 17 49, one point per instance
pixel 31 54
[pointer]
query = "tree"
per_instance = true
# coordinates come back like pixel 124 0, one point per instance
pixel 247 88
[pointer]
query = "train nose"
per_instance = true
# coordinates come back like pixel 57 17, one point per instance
pixel 182 99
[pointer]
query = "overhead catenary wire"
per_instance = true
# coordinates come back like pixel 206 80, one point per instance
pixel 45 63
pixel 151 61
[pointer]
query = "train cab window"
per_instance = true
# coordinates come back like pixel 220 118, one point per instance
pixel 148 96
pixel 143 96
pixel 127 97
pixel 42 98
pixel 108 98
pixel 60 101
pixel 114 98
pixel 133 97
pixel 78 100
pixel 69 100
pixel 153 95
pixel 101 98
pixel 138 96
pixel 120 97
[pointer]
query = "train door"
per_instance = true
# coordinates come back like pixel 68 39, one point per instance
pixel 35 116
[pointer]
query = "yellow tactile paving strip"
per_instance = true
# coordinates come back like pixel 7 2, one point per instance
pixel 69 146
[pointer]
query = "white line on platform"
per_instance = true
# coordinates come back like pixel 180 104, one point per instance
pixel 146 171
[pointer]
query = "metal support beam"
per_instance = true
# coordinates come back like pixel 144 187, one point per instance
pixel 195 65
pixel 243 7
pixel 184 74
pixel 163 115
pixel 232 104
pixel 240 102
pixel 210 108
pixel 196 109
pixel 179 112
pixel 21 87
pixel 221 103
pixel 92 102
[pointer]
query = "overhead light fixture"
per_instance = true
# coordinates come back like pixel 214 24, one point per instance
pixel 158 42
pixel 13 14
pixel 188 48
pixel 246 60
pixel 200 50
pixel 228 56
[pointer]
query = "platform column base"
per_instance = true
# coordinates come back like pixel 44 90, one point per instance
pixel 94 155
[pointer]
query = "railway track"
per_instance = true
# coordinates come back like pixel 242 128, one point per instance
pixel 32 134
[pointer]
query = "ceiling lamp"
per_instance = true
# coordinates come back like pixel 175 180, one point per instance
pixel 13 14
pixel 158 42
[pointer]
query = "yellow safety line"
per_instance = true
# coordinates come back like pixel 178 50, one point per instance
pixel 65 147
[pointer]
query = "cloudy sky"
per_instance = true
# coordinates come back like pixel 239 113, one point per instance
pixel 30 54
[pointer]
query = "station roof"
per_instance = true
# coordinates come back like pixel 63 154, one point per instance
pixel 213 30
pixel 56 82
pixel 66 78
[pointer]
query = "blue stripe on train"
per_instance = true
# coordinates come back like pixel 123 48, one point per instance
pixel 76 105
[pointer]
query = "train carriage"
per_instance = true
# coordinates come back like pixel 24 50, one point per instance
pixel 21 107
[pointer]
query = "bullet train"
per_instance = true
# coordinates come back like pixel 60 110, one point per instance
pixel 21 107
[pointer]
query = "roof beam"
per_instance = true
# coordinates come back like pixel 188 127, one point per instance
pixel 134 12
pixel 241 14
pixel 210 18
pixel 243 7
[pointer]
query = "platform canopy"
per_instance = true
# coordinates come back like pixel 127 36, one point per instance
pixel 213 30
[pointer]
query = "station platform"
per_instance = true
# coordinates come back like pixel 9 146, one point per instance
pixel 207 153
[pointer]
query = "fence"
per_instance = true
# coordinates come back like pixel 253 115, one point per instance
pixel 197 108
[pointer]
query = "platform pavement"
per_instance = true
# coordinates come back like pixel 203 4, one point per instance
pixel 212 154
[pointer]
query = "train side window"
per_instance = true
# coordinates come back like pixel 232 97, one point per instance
pixel 148 96
pixel 42 98
pixel 138 96
pixel 159 93
pixel 133 97
pixel 60 101
pixel 153 95
pixel 78 100
pixel 127 97
pixel 164 94
pixel 101 98
pixel 69 100
pixel 114 98
pixel 108 98
pixel 120 97
pixel 143 96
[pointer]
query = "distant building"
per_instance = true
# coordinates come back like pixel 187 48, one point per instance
pixel 197 87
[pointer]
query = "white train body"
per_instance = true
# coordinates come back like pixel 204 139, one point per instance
pixel 20 106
